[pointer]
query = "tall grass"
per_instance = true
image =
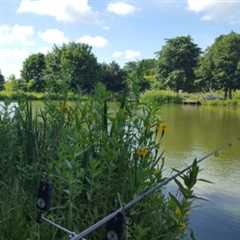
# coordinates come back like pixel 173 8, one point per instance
pixel 158 97
pixel 91 156
pixel 16 95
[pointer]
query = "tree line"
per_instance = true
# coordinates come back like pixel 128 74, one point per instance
pixel 179 65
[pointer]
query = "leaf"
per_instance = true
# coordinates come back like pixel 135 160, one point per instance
pixel 204 180
pixel 201 198
pixel 182 189
pixel 175 200
pixel 68 163
pixel 192 235
pixel 175 170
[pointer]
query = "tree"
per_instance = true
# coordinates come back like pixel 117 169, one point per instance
pixel 204 75
pixel 176 63
pixel 33 72
pixel 141 73
pixel 113 77
pixel 2 81
pixel 11 84
pixel 220 64
pixel 74 66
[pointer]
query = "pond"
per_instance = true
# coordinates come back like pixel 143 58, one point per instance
pixel 193 132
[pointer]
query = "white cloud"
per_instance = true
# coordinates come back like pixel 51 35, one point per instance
pixel 11 61
pixel 132 55
pixel 10 34
pixel 128 55
pixel 53 36
pixel 216 10
pixel 62 10
pixel 97 41
pixel 198 6
pixel 44 50
pixel 121 8
pixel 117 54
pixel 15 40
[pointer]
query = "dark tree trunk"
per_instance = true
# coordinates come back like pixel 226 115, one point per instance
pixel 105 116
pixel 230 93
pixel 225 93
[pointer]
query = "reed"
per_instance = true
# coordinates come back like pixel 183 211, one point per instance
pixel 91 155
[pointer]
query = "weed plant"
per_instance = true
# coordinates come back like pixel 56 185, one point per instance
pixel 91 156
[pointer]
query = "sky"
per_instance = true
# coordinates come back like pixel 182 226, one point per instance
pixel 119 30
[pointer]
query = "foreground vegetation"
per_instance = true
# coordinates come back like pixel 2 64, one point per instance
pixel 91 156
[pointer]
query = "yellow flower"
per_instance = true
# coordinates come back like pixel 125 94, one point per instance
pixel 178 212
pixel 143 152
pixel 161 129
pixel 182 226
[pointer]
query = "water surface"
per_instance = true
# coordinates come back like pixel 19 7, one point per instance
pixel 193 132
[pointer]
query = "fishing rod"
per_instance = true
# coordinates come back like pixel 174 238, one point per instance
pixel 45 192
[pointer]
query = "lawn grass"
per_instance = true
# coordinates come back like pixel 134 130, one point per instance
pixel 11 95
pixel 159 97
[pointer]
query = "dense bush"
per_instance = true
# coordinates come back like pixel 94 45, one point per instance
pixel 91 156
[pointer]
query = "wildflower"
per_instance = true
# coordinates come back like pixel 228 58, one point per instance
pixel 178 212
pixel 182 226
pixel 161 129
pixel 143 152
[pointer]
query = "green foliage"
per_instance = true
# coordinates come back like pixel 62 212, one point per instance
pixel 179 66
pixel 113 77
pixel 204 75
pixel 16 95
pixel 72 67
pixel 226 103
pixel 91 156
pixel 176 62
pixel 220 65
pixel 141 74
pixel 183 202
pixel 12 84
pixel 158 97
pixel 33 72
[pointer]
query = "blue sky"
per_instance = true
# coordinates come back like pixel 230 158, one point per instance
pixel 120 30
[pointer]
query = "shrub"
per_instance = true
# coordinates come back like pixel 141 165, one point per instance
pixel 91 157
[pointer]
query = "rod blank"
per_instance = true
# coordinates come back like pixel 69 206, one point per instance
pixel 140 197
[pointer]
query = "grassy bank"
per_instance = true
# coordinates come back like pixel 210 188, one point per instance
pixel 151 97
pixel 10 95
pixel 158 97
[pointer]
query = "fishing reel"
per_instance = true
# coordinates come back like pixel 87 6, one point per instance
pixel 115 228
pixel 44 198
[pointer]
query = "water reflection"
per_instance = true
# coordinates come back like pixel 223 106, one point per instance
pixel 8 109
pixel 193 132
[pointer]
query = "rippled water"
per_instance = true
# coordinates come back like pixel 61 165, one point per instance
pixel 193 132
